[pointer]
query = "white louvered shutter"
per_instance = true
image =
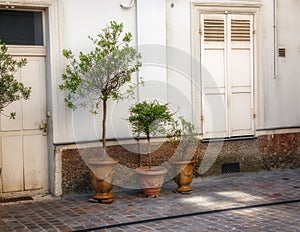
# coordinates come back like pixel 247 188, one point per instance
pixel 227 75
pixel 213 59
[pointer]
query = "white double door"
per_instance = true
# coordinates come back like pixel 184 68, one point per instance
pixel 227 75
pixel 23 143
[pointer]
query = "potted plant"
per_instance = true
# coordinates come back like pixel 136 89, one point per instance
pixel 184 137
pixel 150 118
pixel 11 89
pixel 92 80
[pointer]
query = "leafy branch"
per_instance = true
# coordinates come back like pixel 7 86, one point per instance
pixel 102 73
pixel 11 89
pixel 150 118
pixel 183 133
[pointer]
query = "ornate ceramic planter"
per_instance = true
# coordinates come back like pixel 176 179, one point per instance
pixel 185 175
pixel 151 180
pixel 101 178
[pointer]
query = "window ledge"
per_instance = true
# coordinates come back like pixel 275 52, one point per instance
pixel 228 139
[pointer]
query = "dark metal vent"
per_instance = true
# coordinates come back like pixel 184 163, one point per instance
pixel 281 52
pixel 230 168
pixel 15 199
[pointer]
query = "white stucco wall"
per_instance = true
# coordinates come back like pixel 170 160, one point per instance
pixel 276 99
pixel 151 36
pixel 164 34
pixel 180 56
pixel 81 19
pixel 282 106
pixel 78 20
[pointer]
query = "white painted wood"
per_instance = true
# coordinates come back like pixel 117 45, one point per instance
pixel 227 80
pixel 34 161
pixel 34 109
pixel 23 145
pixel 213 59
pixel 7 124
pixel 241 114
pixel 17 3
pixel 12 163
pixel 215 64
pixel 12 125
pixel 214 112
pixel 240 92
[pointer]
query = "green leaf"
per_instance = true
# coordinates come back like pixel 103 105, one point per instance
pixel 103 72
pixel 150 118
pixel 11 89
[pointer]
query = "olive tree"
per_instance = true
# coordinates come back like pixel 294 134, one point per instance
pixel 99 75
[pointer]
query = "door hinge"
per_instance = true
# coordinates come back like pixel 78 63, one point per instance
pixel 202 118
pixel 254 31
pixel 44 127
pixel 200 31
pixel 254 115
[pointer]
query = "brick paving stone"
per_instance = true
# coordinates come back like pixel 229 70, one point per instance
pixel 73 212
pixel 244 220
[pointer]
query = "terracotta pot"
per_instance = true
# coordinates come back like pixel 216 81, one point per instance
pixel 185 175
pixel 101 178
pixel 151 180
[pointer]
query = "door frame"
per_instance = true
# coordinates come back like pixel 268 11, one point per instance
pixel 53 29
pixel 198 8
pixel 34 51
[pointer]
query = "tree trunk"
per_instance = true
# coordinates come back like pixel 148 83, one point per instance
pixel 149 152
pixel 104 126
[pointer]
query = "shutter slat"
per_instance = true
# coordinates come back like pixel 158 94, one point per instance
pixel 240 30
pixel 213 30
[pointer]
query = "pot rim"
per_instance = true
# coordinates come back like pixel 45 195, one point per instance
pixel 155 170
pixel 182 161
pixel 99 160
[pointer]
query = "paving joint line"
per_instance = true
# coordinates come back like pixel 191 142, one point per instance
pixel 189 215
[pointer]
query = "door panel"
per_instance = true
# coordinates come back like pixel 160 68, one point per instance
pixel 12 163
pixel 23 146
pixel 34 108
pixel 215 116
pixel 215 66
pixel 12 125
pixel 241 93
pixel 241 76
pixel 213 58
pixel 34 147
pixel 240 103
pixel 240 67
pixel 227 75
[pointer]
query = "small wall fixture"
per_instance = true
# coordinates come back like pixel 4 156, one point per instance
pixel 281 52
pixel 128 6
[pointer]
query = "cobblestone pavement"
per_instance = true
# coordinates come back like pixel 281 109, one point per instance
pixel 264 201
